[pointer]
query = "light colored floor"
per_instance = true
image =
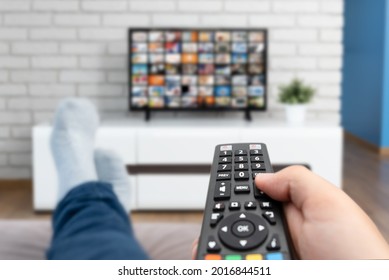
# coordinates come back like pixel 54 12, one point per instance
pixel 366 180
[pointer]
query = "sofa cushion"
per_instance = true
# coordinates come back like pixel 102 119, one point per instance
pixel 28 240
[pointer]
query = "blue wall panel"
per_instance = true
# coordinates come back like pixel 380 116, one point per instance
pixel 385 100
pixel 363 68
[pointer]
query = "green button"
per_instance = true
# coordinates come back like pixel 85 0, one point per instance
pixel 233 257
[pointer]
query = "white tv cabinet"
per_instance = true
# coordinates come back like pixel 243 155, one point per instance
pixel 169 159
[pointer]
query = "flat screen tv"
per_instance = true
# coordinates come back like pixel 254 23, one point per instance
pixel 173 69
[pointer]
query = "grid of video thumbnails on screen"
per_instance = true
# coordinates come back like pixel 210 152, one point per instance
pixel 197 69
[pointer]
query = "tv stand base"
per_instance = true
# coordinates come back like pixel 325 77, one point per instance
pixel 247 115
pixel 147 115
pixel 169 159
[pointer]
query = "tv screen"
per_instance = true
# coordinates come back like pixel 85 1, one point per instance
pixel 192 69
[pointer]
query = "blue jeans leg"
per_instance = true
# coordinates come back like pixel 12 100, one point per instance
pixel 90 223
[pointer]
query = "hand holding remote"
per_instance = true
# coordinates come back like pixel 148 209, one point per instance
pixel 323 221
pixel 240 222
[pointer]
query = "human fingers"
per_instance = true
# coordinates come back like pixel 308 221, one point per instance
pixel 195 244
pixel 295 184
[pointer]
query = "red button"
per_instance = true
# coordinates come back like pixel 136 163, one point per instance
pixel 213 257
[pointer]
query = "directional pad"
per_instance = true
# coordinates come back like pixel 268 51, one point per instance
pixel 243 231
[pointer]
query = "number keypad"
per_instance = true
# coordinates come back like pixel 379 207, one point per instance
pixel 257 159
pixel 241 175
pixel 241 166
pixel 258 166
pixel 240 152
pixel 225 154
pixel 239 159
pixel 224 167
pixel 225 160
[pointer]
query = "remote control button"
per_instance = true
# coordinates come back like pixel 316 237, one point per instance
pixel 274 243
pixel 241 175
pixel 256 189
pixel 258 166
pixel 212 257
pixel 243 243
pixel 250 205
pixel 274 256
pixel 240 152
pixel 243 229
pixel 241 166
pixel 242 189
pixel 226 148
pixel 258 193
pixel 212 245
pixel 256 173
pixel 234 205
pixel 225 153
pixel 240 159
pixel 218 207
pixel 223 176
pixel 254 257
pixel 256 152
pixel 233 257
pixel 255 146
pixel 222 191
pixel 261 227
pixel 270 217
pixel 255 235
pixel 224 229
pixel 215 219
pixel 225 160
pixel 265 205
pixel 224 167
pixel 256 159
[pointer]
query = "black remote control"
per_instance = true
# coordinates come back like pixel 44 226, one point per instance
pixel 241 222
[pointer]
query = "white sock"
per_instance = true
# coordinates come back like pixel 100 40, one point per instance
pixel 72 143
pixel 111 169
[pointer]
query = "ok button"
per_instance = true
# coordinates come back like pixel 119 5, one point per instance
pixel 243 229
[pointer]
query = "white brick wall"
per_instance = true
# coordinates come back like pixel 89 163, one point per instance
pixel 152 6
pixel 53 33
pixel 60 6
pixel 12 33
pixel 34 48
pixel 50 49
pixel 53 62
pixel 104 6
pixel 296 6
pixel 248 6
pixel 13 6
pixel 31 19
pixel 76 20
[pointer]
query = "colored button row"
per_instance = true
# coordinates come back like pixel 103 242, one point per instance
pixel 270 256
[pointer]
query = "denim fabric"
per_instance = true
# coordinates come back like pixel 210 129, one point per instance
pixel 91 224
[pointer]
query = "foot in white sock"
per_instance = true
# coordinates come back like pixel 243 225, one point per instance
pixel 111 169
pixel 72 143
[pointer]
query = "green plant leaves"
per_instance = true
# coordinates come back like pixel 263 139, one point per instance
pixel 296 92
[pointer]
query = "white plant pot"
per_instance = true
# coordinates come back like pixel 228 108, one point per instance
pixel 295 114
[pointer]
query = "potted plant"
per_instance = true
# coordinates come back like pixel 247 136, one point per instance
pixel 295 96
